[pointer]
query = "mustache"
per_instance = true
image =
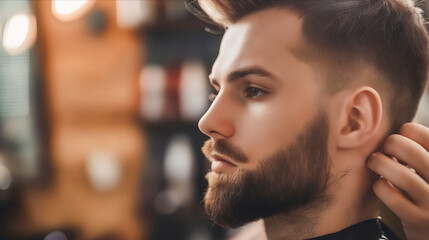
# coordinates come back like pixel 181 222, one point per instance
pixel 225 148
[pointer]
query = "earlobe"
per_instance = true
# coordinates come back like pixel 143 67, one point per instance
pixel 360 118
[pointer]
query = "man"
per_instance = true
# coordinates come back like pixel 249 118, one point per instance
pixel 306 91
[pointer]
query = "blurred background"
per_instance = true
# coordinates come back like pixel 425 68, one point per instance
pixel 99 104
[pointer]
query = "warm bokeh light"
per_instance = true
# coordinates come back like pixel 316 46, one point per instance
pixel 16 31
pixel 104 170
pixel 66 10
pixel 133 13
pixel 19 33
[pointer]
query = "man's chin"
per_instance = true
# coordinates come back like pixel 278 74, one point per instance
pixel 221 200
pixel 221 215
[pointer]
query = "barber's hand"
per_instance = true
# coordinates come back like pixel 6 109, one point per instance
pixel 411 147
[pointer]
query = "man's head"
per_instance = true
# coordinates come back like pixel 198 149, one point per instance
pixel 306 90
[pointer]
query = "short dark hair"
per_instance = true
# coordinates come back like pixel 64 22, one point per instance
pixel 388 35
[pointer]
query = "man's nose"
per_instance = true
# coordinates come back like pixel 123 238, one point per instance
pixel 217 122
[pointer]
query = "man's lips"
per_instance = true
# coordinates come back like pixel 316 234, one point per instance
pixel 221 164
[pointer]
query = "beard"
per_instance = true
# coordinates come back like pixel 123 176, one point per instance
pixel 290 179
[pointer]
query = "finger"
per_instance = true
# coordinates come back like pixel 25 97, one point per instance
pixel 417 133
pixel 394 200
pixel 409 152
pixel 400 176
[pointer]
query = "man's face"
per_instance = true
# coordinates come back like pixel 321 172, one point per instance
pixel 267 124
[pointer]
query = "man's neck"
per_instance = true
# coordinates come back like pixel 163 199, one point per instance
pixel 353 202
pixel 298 224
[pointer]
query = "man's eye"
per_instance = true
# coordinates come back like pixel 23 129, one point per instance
pixel 212 96
pixel 253 92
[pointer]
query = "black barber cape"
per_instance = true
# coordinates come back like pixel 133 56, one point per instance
pixel 373 229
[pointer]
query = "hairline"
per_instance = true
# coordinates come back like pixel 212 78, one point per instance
pixel 314 55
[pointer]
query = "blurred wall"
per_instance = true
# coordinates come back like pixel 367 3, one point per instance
pixel 90 69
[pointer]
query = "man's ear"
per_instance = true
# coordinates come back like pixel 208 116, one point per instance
pixel 359 119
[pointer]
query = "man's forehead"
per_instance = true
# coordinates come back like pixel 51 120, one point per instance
pixel 258 38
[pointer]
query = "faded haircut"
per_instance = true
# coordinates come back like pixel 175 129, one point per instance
pixel 387 35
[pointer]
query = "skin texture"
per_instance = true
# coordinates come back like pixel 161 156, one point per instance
pixel 411 147
pixel 261 113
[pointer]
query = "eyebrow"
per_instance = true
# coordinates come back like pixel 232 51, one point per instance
pixel 241 73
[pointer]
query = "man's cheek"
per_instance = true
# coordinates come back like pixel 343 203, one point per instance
pixel 262 137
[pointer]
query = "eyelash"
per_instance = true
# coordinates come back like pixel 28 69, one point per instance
pixel 212 96
pixel 249 89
